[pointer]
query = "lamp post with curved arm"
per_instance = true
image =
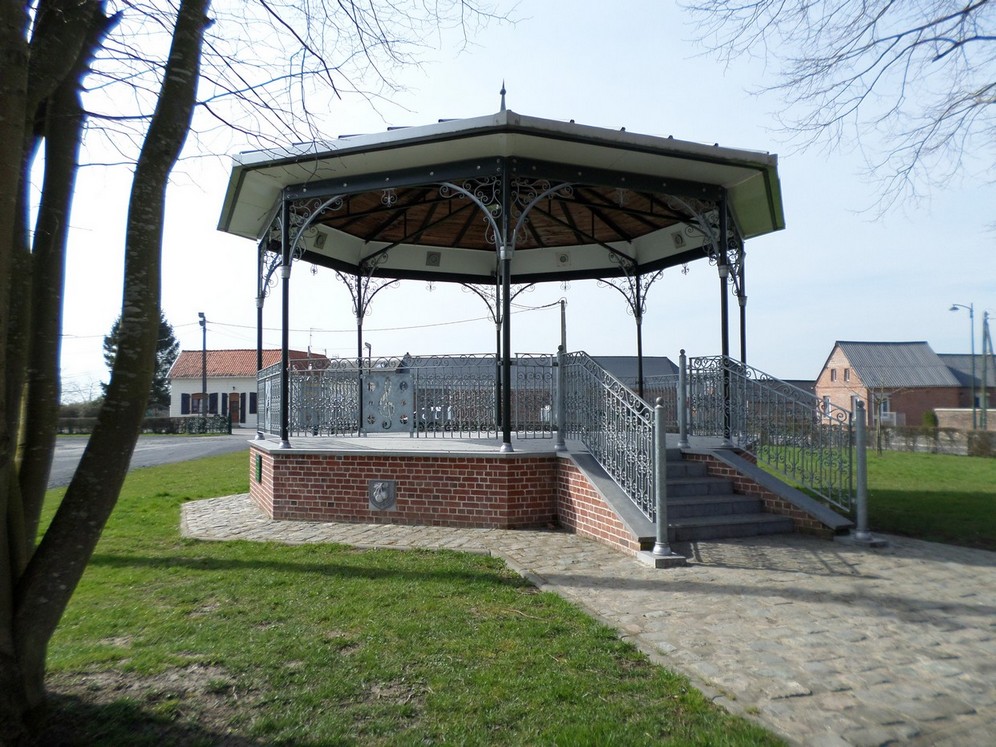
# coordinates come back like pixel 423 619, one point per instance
pixel 971 322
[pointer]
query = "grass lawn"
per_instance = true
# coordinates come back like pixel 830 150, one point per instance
pixel 174 641
pixel 937 497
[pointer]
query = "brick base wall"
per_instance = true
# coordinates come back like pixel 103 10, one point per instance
pixel 500 492
pixel 493 492
pixel 801 521
pixel 581 509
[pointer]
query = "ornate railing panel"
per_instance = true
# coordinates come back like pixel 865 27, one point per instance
pixel 455 396
pixel 268 400
pixel 614 424
pixel 534 392
pixel 323 395
pixel 664 388
pixel 787 429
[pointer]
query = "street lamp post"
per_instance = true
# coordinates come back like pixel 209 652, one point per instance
pixel 987 351
pixel 204 363
pixel 971 324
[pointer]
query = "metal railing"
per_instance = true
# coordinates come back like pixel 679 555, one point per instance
pixel 425 396
pixel 534 392
pixel 614 424
pixel 455 396
pixel 665 389
pixel 788 430
pixel 323 398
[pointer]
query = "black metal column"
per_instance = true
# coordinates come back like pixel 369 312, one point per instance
pixel 285 268
pixel 742 300
pixel 260 291
pixel 724 311
pixel 360 311
pixel 638 315
pixel 505 257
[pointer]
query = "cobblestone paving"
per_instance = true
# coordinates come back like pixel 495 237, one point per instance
pixel 823 643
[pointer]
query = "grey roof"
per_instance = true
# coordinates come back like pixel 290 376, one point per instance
pixel 624 367
pixel 806 385
pixel 894 365
pixel 960 364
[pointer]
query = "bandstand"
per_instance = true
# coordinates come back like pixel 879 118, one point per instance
pixel 495 203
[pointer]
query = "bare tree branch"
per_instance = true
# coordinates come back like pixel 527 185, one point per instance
pixel 913 81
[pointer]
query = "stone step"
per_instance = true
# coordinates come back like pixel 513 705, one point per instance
pixel 726 527
pixel 678 470
pixel 712 505
pixel 684 487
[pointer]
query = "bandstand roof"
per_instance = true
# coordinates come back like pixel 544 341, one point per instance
pixel 615 198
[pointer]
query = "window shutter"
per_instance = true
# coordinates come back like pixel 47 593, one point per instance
pixel 213 403
pixel 184 404
pixel 224 405
pixel 252 403
pixel 242 407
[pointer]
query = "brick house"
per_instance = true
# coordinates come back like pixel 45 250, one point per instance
pixel 231 381
pixel 897 381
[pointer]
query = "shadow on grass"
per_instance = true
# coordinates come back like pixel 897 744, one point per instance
pixel 343 570
pixel 74 721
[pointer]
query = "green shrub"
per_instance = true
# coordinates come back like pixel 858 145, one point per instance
pixel 982 443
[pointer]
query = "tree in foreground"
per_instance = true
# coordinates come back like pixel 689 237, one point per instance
pixel 913 84
pixel 167 348
pixel 121 80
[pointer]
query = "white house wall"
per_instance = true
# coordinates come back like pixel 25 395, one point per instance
pixel 222 386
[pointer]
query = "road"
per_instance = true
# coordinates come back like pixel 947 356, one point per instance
pixel 150 450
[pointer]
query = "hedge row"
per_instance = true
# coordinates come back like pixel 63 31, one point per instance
pixel 934 440
pixel 209 424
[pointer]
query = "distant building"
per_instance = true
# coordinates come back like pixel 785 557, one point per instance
pixel 960 365
pixel 897 381
pixel 231 381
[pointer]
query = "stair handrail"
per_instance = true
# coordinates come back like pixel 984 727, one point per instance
pixel 790 431
pixel 613 423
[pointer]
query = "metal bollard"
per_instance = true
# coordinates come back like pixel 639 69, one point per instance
pixel 661 546
pixel 861 533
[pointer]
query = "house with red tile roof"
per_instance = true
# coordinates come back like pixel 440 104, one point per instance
pixel 231 381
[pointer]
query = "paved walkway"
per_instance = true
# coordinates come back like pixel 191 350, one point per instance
pixel 823 643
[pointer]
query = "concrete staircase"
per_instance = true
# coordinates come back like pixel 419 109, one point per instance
pixel 700 507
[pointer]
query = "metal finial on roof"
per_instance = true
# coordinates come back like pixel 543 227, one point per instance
pixel 502 96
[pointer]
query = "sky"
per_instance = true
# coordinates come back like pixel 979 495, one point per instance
pixel 839 271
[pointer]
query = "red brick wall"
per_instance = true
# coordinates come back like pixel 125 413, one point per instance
pixel 915 402
pixel 582 510
pixel 506 493
pixel 261 492
pixel 801 521
pixel 493 492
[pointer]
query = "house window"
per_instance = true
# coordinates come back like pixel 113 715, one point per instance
pixel 826 405
pixel 833 374
pixel 847 374
pixel 196 403
pixel 884 406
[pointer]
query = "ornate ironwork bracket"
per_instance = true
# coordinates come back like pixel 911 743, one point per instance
pixel 633 286
pixel 492 298
pixel 266 266
pixel 363 286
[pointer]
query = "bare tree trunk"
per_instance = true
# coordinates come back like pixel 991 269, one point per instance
pixel 13 102
pixel 48 582
pixel 62 130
